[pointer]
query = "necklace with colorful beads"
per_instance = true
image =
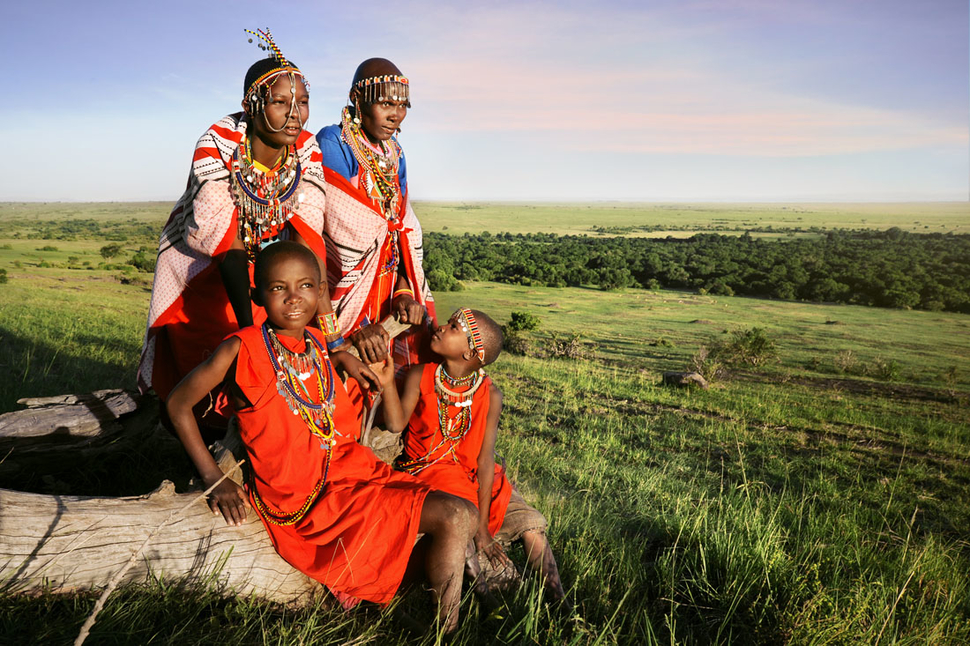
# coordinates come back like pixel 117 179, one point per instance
pixel 380 179
pixel 265 201
pixel 292 370
pixel 453 429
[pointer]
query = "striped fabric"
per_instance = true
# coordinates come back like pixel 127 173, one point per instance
pixel 354 231
pixel 204 223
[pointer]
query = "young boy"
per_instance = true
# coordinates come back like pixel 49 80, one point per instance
pixel 331 508
pixel 451 412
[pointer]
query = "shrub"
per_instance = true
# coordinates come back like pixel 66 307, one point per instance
pixel 752 347
pixel 110 251
pixel 143 262
pixel 48 248
pixel 521 322
pixel 845 361
pixel 3 276
pixel 885 370
pixel 566 346
pixel 707 363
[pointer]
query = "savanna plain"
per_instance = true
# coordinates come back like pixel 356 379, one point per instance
pixel 818 492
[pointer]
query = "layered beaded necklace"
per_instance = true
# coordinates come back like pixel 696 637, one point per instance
pixel 292 370
pixel 265 200
pixel 380 176
pixel 453 429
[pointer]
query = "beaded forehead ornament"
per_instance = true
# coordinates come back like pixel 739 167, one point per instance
pixel 468 324
pixel 377 89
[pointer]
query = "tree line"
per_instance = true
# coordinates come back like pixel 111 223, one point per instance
pixel 891 268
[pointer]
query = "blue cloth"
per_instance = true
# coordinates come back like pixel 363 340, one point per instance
pixel 338 157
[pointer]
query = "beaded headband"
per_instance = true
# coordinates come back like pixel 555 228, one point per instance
pixel 470 327
pixel 376 89
pixel 283 66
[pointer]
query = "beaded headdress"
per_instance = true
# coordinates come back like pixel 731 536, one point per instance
pixel 267 76
pixel 377 89
pixel 470 327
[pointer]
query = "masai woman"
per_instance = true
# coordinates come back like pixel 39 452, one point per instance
pixel 256 177
pixel 373 238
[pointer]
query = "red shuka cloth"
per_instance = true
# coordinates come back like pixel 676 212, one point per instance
pixel 459 478
pixel 357 536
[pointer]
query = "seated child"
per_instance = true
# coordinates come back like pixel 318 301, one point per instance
pixel 331 508
pixel 451 411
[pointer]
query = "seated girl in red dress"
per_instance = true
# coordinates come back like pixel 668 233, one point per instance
pixel 450 411
pixel 331 508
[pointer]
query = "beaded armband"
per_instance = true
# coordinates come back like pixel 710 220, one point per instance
pixel 328 324
pixel 401 292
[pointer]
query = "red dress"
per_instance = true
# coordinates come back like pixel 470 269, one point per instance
pixel 453 466
pixel 358 533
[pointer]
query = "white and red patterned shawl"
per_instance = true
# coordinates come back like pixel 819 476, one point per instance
pixel 354 231
pixel 204 223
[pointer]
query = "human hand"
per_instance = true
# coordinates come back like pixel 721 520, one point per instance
pixel 492 549
pixel 408 310
pixel 385 370
pixel 371 343
pixel 356 369
pixel 230 499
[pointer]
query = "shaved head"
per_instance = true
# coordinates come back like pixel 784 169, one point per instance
pixel 375 67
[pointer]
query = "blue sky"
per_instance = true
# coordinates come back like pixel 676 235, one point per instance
pixel 697 100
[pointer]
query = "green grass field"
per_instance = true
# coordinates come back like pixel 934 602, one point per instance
pixel 678 220
pixel 820 499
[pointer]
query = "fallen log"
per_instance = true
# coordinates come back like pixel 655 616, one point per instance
pixel 68 543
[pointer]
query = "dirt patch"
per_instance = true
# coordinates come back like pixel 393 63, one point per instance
pixel 703 321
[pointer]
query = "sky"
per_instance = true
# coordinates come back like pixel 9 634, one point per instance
pixel 648 101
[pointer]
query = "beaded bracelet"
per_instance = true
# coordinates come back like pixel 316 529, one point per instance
pixel 336 343
pixel 401 292
pixel 328 323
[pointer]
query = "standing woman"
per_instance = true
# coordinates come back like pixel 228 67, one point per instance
pixel 256 178
pixel 374 240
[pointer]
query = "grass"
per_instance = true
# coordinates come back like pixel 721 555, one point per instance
pixel 816 500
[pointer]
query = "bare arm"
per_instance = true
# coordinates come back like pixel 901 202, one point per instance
pixel 234 270
pixel 228 497
pixel 398 410
pixel 486 477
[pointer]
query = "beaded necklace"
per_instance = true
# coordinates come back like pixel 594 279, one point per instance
pixel 294 368
pixel 265 201
pixel 453 429
pixel 380 176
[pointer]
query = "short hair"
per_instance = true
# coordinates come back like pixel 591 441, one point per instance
pixel 492 337
pixel 276 253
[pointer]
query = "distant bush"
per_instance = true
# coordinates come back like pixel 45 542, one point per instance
pixel 885 370
pixel 521 322
pixel 48 248
pixel 566 346
pixel 143 262
pixel 3 276
pixel 752 347
pixel 110 251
